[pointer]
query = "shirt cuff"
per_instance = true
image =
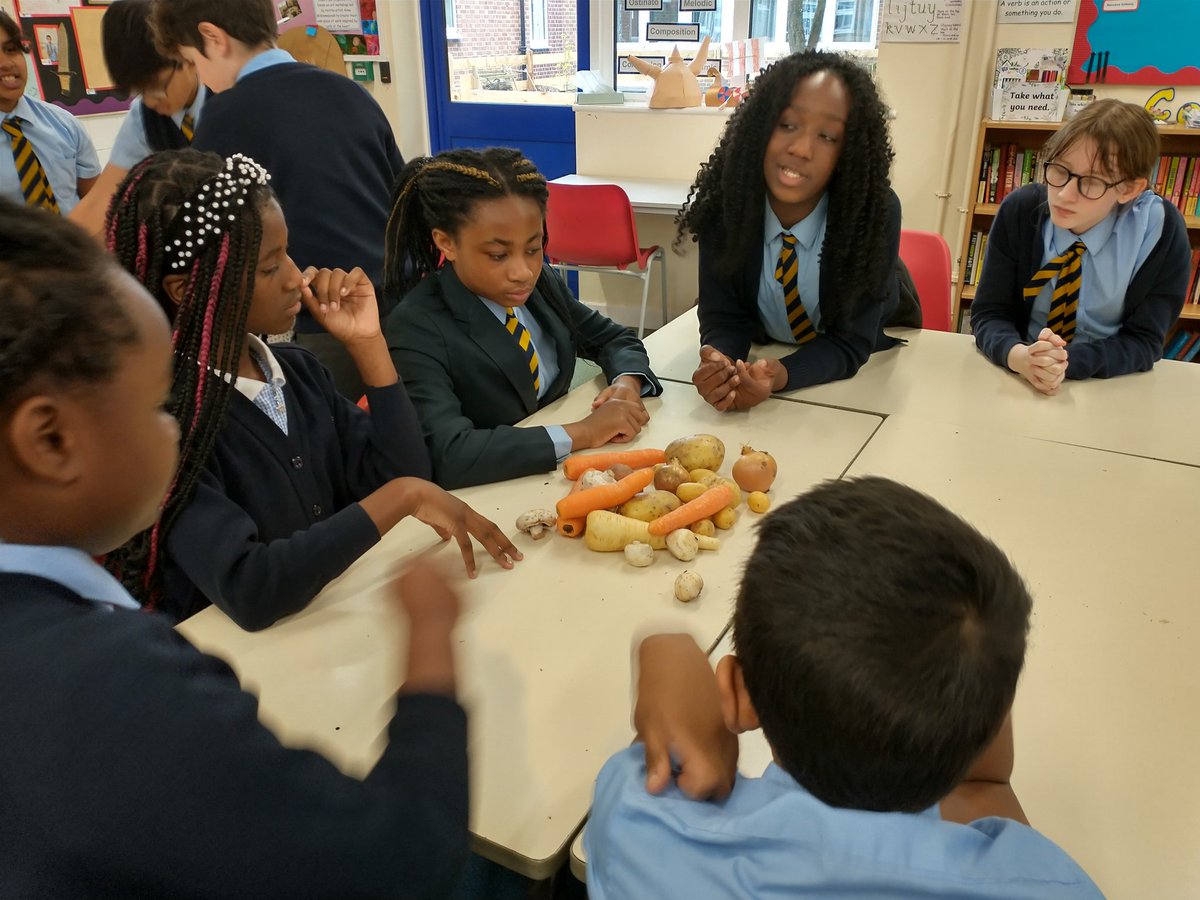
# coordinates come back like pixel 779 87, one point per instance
pixel 647 387
pixel 562 441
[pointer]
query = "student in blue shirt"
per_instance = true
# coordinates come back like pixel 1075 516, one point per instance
pixel 46 157
pixel 1085 274
pixel 799 232
pixel 133 765
pixel 882 677
pixel 165 114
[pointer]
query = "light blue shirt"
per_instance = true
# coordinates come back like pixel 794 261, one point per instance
pixel 130 147
pixel 62 147
pixel 810 236
pixel 267 395
pixel 265 60
pixel 1116 248
pixel 772 839
pixel 71 568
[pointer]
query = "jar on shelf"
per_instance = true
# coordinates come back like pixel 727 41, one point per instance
pixel 1078 100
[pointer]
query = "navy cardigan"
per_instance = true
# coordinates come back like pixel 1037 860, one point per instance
pixel 729 319
pixel 132 765
pixel 1000 312
pixel 275 516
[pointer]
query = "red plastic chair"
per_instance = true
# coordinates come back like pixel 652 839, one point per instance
pixel 928 259
pixel 590 228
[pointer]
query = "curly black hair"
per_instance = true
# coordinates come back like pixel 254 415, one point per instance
pixel 726 201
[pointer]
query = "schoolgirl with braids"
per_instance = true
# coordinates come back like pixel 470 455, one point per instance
pixel 491 334
pixel 282 482
pixel 799 232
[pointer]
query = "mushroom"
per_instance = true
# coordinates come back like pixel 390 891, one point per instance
pixel 683 544
pixel 536 523
pixel 639 554
pixel 688 586
pixel 594 477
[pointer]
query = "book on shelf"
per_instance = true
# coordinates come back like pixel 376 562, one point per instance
pixel 1004 168
pixel 1176 178
pixel 1182 352
pixel 1175 343
pixel 1192 353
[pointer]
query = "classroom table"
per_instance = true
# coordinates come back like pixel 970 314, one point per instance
pixel 943 377
pixel 544 649
pixel 660 196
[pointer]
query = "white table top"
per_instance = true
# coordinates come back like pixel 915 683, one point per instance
pixel 544 658
pixel 1107 716
pixel 943 377
pixel 645 195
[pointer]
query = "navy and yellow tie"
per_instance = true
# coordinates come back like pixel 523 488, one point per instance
pixel 786 271
pixel 525 342
pixel 1068 268
pixel 34 183
pixel 188 127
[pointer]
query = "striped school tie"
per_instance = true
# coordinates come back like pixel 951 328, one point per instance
pixel 786 271
pixel 525 342
pixel 1069 270
pixel 188 127
pixel 34 183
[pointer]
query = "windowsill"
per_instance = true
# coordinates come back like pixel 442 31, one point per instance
pixel 453 34
pixel 638 103
pixel 539 46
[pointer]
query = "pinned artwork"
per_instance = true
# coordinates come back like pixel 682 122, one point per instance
pixel 675 84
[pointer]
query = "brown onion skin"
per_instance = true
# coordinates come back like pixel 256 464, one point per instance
pixel 755 470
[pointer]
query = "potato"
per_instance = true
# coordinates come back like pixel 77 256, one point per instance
pixel 704 527
pixel 758 502
pixel 697 451
pixel 725 518
pixel 703 476
pixel 648 506
pixel 689 491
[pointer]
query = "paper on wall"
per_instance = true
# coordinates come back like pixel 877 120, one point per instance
pixel 920 21
pixel 1010 11
pixel 339 16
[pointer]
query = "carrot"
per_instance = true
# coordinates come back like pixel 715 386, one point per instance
pixel 711 501
pixel 575 526
pixel 578 463
pixel 602 496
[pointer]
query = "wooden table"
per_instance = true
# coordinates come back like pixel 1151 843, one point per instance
pixel 943 377
pixel 544 660
pixel 1107 716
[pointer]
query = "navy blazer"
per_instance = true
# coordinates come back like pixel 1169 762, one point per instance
pixel 729 319
pixel 471 384
pixel 133 765
pixel 1000 313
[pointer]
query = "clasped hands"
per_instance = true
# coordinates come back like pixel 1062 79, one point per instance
pixel 735 384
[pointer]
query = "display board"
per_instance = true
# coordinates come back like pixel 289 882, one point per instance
pixel 1136 42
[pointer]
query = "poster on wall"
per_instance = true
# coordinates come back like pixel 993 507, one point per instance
pixel 1151 43
pixel 354 24
pixel 920 21
pixel 66 57
pixel 1029 84
pixel 1010 12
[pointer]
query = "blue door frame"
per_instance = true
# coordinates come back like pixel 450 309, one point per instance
pixel 546 134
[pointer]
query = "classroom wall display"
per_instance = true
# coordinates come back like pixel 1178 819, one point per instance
pixel 1029 84
pixel 67 59
pixel 354 24
pixel 1151 42
pixel 1010 12
pixel 920 21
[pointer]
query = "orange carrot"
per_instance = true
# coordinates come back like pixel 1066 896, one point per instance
pixel 573 527
pixel 602 496
pixel 578 463
pixel 711 501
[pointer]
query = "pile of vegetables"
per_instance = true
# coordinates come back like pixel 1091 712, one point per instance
pixel 640 501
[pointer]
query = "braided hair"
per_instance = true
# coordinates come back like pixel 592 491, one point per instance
pixel 725 204
pixel 441 192
pixel 208 323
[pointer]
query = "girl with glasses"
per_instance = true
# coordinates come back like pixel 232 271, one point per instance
pixel 1085 273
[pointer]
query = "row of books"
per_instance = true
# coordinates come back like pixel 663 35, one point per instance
pixel 1183 345
pixel 1177 179
pixel 974 263
pixel 1004 168
pixel 1193 294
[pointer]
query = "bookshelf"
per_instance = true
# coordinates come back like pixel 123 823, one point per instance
pixel 1025 140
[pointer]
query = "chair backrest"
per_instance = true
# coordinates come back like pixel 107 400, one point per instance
pixel 928 259
pixel 590 225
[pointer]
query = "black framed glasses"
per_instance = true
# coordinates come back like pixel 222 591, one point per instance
pixel 159 91
pixel 1090 186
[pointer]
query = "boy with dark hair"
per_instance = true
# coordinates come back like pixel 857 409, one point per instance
pixel 165 114
pixel 46 158
pixel 327 144
pixel 131 764
pixel 882 679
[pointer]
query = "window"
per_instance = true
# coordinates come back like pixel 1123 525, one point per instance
pixel 451 22
pixel 846 24
pixel 632 36
pixel 537 25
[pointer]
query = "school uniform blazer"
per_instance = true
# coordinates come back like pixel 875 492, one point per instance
pixel 470 383
pixel 729 320
pixel 133 765
pixel 275 517
pixel 1000 313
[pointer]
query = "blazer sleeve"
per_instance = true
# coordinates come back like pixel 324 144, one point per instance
pixel 216 544
pixel 840 352
pixel 462 454
pixel 1153 303
pixel 728 319
pixel 998 306
pixel 214 805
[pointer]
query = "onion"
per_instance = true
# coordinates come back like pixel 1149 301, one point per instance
pixel 754 470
